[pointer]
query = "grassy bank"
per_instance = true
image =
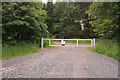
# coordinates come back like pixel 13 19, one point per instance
pixel 107 47
pixel 19 50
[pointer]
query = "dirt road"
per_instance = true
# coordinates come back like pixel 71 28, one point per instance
pixel 61 62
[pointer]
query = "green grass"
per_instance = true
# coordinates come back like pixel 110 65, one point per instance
pixel 107 47
pixel 19 50
pixel 22 49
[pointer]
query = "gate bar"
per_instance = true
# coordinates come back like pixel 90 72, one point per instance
pixel 68 39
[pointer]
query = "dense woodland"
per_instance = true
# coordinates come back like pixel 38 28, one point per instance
pixel 30 21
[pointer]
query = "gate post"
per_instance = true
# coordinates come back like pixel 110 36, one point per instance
pixel 42 43
pixel 49 42
pixel 77 42
pixel 91 42
pixel 94 42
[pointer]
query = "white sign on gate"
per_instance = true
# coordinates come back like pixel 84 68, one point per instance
pixel 62 41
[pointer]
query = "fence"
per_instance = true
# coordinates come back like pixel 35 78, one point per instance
pixel 77 44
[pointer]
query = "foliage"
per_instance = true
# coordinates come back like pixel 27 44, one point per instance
pixel 50 19
pixel 64 20
pixel 105 19
pixel 23 21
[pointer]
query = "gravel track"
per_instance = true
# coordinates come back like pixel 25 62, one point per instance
pixel 61 62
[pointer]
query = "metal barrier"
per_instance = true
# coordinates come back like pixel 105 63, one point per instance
pixel 77 45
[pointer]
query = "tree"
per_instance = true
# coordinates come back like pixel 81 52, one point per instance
pixel 67 18
pixel 23 21
pixel 105 19
pixel 50 20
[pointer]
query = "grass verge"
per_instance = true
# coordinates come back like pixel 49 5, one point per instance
pixel 107 47
pixel 22 49
pixel 19 50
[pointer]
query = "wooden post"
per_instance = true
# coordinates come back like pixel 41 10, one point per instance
pixel 42 43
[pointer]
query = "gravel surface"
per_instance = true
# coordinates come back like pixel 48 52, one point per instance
pixel 61 62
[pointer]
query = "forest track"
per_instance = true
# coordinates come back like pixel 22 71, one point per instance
pixel 61 62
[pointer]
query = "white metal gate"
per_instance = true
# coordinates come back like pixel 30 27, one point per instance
pixel 77 45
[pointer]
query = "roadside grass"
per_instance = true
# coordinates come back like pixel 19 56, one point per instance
pixel 19 50
pixel 107 47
